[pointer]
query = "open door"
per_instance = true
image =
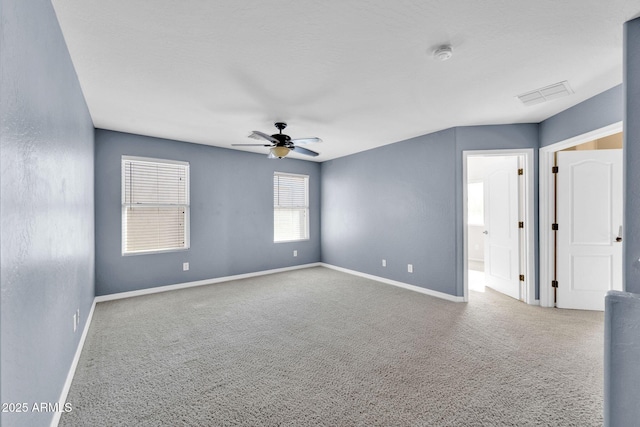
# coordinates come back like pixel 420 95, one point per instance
pixel 589 211
pixel 502 238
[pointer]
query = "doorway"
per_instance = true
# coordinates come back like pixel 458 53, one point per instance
pixel 581 219
pixel 498 223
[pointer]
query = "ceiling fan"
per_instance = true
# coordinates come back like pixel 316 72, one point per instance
pixel 281 144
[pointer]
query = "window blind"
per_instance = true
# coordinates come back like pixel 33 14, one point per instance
pixel 290 207
pixel 155 205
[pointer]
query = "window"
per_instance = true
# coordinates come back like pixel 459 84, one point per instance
pixel 155 205
pixel 290 207
pixel 475 201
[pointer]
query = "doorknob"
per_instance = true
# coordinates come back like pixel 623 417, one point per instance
pixel 619 238
pixel 485 232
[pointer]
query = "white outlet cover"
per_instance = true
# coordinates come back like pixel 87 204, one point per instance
pixel 384 262
pixel 410 268
pixel 295 253
pixel 185 266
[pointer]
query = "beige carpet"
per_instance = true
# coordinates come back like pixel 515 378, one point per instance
pixel 319 347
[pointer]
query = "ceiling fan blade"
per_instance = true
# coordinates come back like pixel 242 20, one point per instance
pixel 252 145
pixel 302 141
pixel 256 134
pixel 305 151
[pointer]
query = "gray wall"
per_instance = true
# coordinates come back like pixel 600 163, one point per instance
pixel 394 202
pixel 631 241
pixel 47 208
pixel 403 202
pixel 594 113
pixel 231 215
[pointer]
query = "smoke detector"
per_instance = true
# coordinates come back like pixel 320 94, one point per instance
pixel 443 53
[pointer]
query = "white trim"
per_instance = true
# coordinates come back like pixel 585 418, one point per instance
pixel 414 288
pixel 166 288
pixel 585 137
pixel 131 205
pixel 299 175
pixel 529 219
pixel 277 207
pixel 152 160
pixel 72 370
pixel 545 207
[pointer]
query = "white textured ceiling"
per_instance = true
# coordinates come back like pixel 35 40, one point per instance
pixel 358 74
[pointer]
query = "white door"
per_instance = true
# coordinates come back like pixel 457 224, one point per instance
pixel 589 209
pixel 501 243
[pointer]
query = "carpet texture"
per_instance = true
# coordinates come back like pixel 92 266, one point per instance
pixel 317 347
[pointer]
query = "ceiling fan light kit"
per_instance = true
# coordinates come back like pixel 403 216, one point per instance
pixel 280 144
pixel 280 152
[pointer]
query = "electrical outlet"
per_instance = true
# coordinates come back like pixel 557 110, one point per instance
pixel 78 316
pixel 75 322
pixel 295 253
pixel 384 262
pixel 185 266
pixel 410 268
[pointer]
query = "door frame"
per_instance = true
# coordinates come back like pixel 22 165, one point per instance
pixel 546 203
pixel 529 238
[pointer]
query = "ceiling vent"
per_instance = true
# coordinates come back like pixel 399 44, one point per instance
pixel 546 93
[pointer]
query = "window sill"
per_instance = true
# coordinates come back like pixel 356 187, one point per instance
pixel 162 251
pixel 291 241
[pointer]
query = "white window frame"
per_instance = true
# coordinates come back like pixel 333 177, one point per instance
pixel 126 205
pixel 277 207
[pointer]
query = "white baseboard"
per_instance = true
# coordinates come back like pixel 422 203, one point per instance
pixel 72 369
pixel 166 288
pixel 425 291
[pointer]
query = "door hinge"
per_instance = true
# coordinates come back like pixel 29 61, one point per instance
pixel 554 169
pixel 520 171
pixel 554 227
pixel 520 224
pixel 554 283
pixel 522 277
